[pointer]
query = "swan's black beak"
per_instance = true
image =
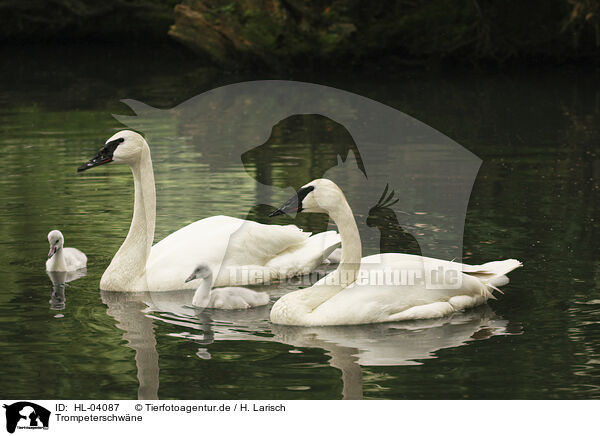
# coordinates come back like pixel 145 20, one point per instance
pixel 294 204
pixel 190 278
pixel 52 251
pixel 289 206
pixel 104 156
pixel 100 159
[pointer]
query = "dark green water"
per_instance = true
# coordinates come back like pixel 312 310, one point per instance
pixel 536 198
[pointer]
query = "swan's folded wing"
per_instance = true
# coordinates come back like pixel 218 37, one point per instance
pixel 492 273
pixel 304 257
pixel 173 259
pixel 256 244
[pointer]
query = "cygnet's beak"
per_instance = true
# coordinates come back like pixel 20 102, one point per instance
pixel 190 278
pixel 52 251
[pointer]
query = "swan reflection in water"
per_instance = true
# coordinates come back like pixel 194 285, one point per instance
pixel 349 347
pixel 59 280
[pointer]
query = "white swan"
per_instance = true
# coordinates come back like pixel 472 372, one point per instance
pixel 414 287
pixel 63 258
pixel 223 298
pixel 243 252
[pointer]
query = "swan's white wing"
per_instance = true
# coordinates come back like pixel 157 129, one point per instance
pixel 174 258
pixel 258 253
pixel 304 257
pixel 257 244
pixel 371 304
pixel 493 273
pixel 225 244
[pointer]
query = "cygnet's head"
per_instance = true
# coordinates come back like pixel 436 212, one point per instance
pixel 317 196
pixel 124 146
pixel 202 271
pixel 56 240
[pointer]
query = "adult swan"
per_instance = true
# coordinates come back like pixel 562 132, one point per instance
pixel 243 252
pixel 383 287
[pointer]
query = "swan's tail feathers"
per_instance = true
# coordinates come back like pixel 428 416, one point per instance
pixel 488 291
pixel 501 267
pixel 493 274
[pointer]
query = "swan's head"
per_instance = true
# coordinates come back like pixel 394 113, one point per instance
pixel 318 196
pixel 124 146
pixel 56 240
pixel 202 271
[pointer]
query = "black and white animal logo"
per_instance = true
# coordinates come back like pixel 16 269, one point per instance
pixel 26 415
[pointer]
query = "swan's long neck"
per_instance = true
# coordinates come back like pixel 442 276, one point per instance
pixel 347 271
pixel 202 294
pixel 128 267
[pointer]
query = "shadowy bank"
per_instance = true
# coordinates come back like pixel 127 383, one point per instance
pixel 302 34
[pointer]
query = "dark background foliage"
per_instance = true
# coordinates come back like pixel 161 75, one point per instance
pixel 308 35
